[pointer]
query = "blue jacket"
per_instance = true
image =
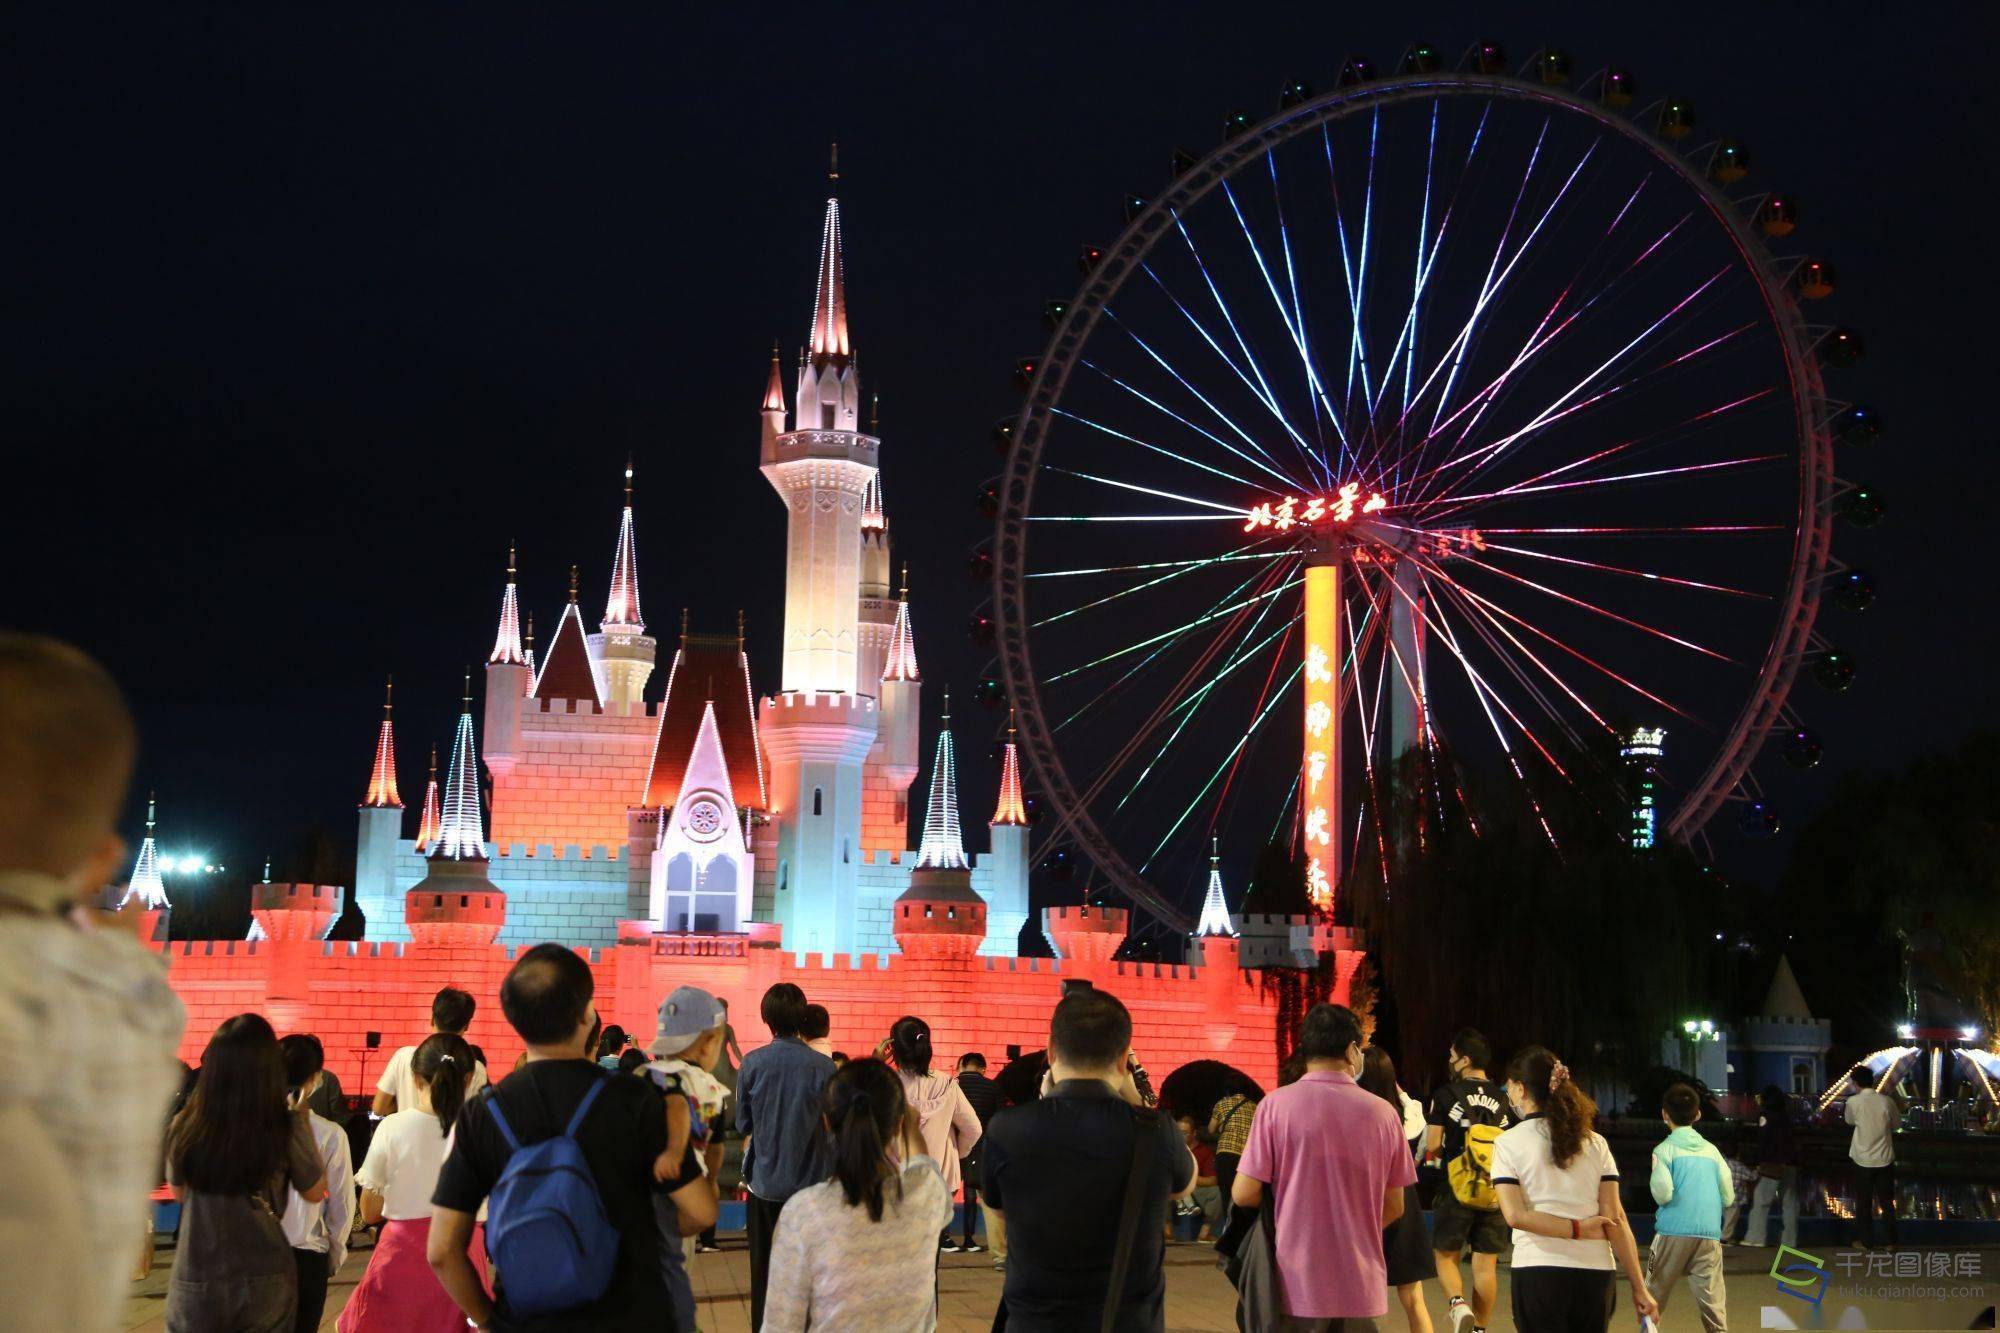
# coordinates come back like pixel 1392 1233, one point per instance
pixel 1691 1185
pixel 779 1093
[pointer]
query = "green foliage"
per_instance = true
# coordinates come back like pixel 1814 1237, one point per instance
pixel 1884 853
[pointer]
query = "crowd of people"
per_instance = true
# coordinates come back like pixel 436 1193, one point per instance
pixel 568 1193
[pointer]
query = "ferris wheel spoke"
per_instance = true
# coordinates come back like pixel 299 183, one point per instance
pixel 1184 568
pixel 1703 529
pixel 1200 563
pixel 1154 491
pixel 1627 571
pixel 1270 465
pixel 1487 626
pixel 1462 504
pixel 1494 608
pixel 1228 759
pixel 1166 452
pixel 1174 633
pixel 1595 609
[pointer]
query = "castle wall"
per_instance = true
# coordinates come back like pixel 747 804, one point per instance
pixel 885 806
pixel 576 895
pixel 575 773
pixel 341 991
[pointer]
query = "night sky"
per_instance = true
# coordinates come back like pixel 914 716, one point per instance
pixel 309 315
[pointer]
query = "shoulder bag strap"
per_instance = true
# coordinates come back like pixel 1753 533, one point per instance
pixel 500 1123
pixel 1145 1140
pixel 583 1107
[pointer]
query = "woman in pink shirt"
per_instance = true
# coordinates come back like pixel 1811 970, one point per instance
pixel 946 1120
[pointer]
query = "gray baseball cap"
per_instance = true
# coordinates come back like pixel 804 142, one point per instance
pixel 684 1016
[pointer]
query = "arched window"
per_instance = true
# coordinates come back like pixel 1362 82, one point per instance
pixel 816 794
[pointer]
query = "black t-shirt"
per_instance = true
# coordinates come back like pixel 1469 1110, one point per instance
pixel 624 1132
pixel 1465 1102
pixel 1057 1169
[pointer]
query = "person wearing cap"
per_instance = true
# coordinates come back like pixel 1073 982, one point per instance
pixel 685 1047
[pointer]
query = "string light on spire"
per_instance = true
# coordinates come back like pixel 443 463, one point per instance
pixel 874 518
pixel 382 793
pixel 507 642
pixel 147 887
pixel 621 611
pixel 943 848
pixel 461 833
pixel 1011 811
pixel 427 822
pixel 829 323
pixel 1214 907
pixel 900 662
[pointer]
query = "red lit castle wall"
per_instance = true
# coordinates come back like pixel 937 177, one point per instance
pixel 885 808
pixel 342 991
pixel 575 774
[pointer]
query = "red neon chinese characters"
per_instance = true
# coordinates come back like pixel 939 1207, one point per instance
pixel 1341 507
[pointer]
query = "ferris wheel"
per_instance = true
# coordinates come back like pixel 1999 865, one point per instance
pixel 1458 413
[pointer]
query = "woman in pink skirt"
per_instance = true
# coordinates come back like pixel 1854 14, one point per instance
pixel 399 1293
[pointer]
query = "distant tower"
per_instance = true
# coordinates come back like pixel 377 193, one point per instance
pixel 622 652
pixel 943 847
pixel 940 915
pixel 1214 906
pixel 818 729
pixel 455 903
pixel 900 689
pixel 509 679
pixel 427 819
pixel 1006 865
pixel 380 817
pixel 1642 752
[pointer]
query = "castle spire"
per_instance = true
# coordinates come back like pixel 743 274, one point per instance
pixel 874 518
pixel 507 642
pixel 900 663
pixel 1011 809
pixel 427 822
pixel 147 886
pixel 461 834
pixel 829 322
pixel 943 848
pixel 382 793
pixel 528 651
pixel 621 611
pixel 1214 907
pixel 774 387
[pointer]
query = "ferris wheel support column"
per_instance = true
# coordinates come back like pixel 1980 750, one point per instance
pixel 1319 772
pixel 1407 686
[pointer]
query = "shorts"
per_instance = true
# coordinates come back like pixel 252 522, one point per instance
pixel 1454 1226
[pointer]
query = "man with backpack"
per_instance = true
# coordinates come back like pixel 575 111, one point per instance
pixel 561 1151
pixel 1465 1119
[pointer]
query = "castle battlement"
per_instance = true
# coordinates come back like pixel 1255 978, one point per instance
pixel 587 716
pixel 543 851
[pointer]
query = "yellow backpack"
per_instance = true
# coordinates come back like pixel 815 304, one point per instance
pixel 1471 1172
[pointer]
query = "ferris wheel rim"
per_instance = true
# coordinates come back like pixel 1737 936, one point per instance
pixel 1763 708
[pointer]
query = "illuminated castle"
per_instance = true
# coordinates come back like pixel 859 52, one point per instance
pixel 714 838
pixel 711 808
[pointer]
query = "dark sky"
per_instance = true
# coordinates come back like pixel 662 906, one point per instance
pixel 310 312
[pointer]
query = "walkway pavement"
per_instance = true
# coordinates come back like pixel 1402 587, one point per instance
pixel 1200 1299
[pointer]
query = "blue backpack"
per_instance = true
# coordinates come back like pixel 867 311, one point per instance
pixel 546 1228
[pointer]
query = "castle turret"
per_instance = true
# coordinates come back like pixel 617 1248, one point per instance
pixel 427 819
pixel 509 678
pixel 901 692
pixel 773 410
pixel 621 650
pixel 1007 864
pixel 1214 906
pixel 380 818
pixel 568 672
pixel 940 915
pixel 293 912
pixel 876 616
pixel 455 903
pixel 1086 936
pixel 146 892
pixel 819 728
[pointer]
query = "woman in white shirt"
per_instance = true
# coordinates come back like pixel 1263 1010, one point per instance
pixel 1558 1190
pixel 399 1292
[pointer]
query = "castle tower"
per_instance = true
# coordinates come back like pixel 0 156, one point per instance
pixel 893 762
pixel 621 650
pixel 427 820
pixel 147 891
pixel 509 678
pixel 380 818
pixel 1007 864
pixel 819 728
pixel 1214 906
pixel 455 903
pixel 293 912
pixel 707 777
pixel 940 916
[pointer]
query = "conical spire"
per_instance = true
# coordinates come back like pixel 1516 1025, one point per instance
pixel 943 848
pixel 507 642
pixel 900 662
pixel 874 518
pixel 622 610
pixel 147 887
pixel 427 822
pixel 382 793
pixel 461 832
pixel 774 387
pixel 1214 907
pixel 528 652
pixel 829 322
pixel 1011 809
pixel 568 672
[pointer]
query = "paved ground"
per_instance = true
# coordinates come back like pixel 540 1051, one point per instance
pixel 1200 1298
